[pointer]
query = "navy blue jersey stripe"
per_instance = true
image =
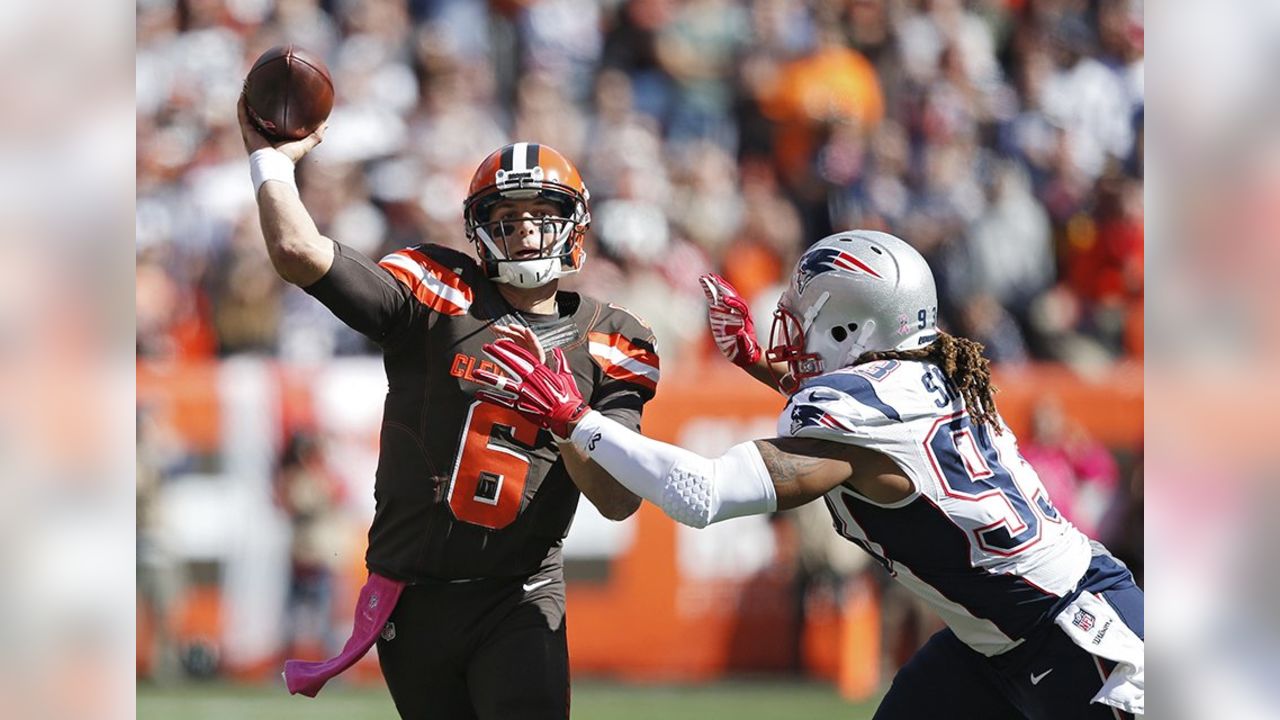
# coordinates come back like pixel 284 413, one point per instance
pixel 1106 574
pixel 860 389
pixel 920 537
pixel 531 156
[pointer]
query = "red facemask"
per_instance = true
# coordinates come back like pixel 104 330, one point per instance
pixel 786 345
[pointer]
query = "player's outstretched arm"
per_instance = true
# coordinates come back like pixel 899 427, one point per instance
pixel 803 469
pixel 299 253
pixel 749 479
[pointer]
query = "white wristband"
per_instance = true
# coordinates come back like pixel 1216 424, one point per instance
pixel 270 164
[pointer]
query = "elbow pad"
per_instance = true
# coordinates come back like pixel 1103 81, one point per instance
pixel 699 491
pixel 687 494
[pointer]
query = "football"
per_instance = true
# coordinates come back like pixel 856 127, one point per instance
pixel 288 93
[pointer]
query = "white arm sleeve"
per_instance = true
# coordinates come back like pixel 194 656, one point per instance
pixel 691 489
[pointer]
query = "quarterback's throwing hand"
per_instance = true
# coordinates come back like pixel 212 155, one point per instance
pixel 295 150
pixel 731 324
pixel 548 398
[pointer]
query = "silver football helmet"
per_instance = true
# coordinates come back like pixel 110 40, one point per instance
pixel 852 292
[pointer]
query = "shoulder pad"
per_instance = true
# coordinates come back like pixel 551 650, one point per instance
pixel 615 318
pixel 841 406
pixel 632 360
pixel 624 347
pixel 856 385
pixel 437 276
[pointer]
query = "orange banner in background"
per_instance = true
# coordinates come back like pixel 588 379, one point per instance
pixel 1109 407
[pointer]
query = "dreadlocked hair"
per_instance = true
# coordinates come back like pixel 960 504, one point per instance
pixel 962 362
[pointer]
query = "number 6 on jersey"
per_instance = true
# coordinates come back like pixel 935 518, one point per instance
pixel 487 486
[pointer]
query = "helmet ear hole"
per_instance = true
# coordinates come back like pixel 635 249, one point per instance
pixel 853 327
pixel 839 333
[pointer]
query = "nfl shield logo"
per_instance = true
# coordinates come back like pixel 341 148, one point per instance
pixel 1083 620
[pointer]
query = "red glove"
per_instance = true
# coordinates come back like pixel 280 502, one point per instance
pixel 731 323
pixel 547 398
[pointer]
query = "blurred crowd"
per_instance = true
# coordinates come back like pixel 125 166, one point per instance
pixel 1004 138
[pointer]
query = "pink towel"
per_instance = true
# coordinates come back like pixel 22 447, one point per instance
pixel 377 599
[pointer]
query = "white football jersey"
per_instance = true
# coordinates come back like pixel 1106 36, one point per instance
pixel 978 539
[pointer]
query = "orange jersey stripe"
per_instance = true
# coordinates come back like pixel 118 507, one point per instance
pixel 626 347
pixel 618 373
pixel 623 360
pixel 434 285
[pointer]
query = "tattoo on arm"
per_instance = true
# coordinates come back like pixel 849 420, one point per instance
pixel 803 469
pixel 784 467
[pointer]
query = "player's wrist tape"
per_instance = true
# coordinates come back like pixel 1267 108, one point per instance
pixel 270 164
pixel 691 489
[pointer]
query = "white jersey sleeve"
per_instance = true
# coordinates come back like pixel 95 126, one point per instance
pixel 979 538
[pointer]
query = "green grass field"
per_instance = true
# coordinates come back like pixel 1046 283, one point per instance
pixel 592 700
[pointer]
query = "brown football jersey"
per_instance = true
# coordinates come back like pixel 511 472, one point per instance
pixel 466 489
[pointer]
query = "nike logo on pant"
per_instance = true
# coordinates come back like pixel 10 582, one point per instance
pixel 1035 679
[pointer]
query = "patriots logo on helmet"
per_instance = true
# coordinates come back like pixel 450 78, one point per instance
pixel 827 259
pixel 803 416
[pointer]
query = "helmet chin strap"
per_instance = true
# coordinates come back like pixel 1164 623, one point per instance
pixel 527 273
pixel 807 321
pixel 812 313
pixel 859 344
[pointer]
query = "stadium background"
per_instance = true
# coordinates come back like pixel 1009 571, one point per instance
pixel 1003 137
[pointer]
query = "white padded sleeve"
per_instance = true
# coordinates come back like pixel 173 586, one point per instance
pixel 691 489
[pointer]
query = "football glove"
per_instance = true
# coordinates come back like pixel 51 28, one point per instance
pixel 548 398
pixel 731 324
